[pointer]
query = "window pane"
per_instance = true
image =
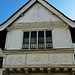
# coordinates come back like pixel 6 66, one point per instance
pixel 26 40
pixel 49 39
pixel 41 39
pixel 33 40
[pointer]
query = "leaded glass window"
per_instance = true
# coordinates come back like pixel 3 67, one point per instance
pixel 33 40
pixel 41 39
pixel 48 39
pixel 37 39
pixel 26 40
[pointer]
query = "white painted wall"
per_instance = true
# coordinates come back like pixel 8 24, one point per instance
pixel 37 13
pixel 18 60
pixel 14 40
pixel 61 38
pixel 1 72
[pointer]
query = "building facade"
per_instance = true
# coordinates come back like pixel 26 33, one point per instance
pixel 37 39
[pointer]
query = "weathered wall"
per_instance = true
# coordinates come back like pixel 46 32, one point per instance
pixel 38 60
pixel 14 40
pixel 61 38
pixel 35 19
pixel 1 72
pixel 37 13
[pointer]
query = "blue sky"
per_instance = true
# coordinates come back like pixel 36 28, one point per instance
pixel 9 7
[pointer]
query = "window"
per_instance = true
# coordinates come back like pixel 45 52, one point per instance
pixel 48 39
pixel 33 43
pixel 41 39
pixel 26 40
pixel 37 40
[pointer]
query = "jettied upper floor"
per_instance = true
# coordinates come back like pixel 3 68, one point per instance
pixel 22 50
pixel 37 15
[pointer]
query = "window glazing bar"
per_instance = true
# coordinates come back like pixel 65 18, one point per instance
pixel 29 38
pixel 45 39
pixel 37 39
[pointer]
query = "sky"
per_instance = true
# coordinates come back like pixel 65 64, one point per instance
pixel 9 7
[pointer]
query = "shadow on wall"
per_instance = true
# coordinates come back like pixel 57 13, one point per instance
pixel 72 30
pixel 2 39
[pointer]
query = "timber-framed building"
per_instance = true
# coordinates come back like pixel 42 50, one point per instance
pixel 37 39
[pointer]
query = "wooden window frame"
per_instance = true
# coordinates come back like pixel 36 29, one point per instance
pixel 37 40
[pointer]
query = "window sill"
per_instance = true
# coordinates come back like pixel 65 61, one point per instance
pixel 39 51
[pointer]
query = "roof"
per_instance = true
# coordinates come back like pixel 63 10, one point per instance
pixel 25 7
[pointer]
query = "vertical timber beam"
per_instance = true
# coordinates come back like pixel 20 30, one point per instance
pixel 29 38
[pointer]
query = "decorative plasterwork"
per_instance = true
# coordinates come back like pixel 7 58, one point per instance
pixel 15 60
pixel 37 16
pixel 37 59
pixel 45 59
pixel 61 59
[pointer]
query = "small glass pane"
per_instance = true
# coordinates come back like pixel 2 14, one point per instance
pixel 33 40
pixel 48 39
pixel 41 39
pixel 26 40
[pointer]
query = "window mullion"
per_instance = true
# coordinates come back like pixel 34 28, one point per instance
pixel 29 38
pixel 37 39
pixel 45 39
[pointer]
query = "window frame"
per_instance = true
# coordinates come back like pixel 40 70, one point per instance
pixel 37 40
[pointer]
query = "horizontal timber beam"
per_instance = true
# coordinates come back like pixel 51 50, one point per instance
pixel 40 70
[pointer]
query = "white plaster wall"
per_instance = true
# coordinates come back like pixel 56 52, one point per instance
pixel 37 13
pixel 13 60
pixel 14 40
pixel 19 60
pixel 61 38
pixel 1 72
pixel 61 59
pixel 37 59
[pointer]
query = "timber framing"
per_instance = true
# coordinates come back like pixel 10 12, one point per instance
pixel 38 51
pixel 47 70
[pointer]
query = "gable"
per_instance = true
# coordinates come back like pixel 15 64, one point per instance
pixel 37 13
pixel 36 18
